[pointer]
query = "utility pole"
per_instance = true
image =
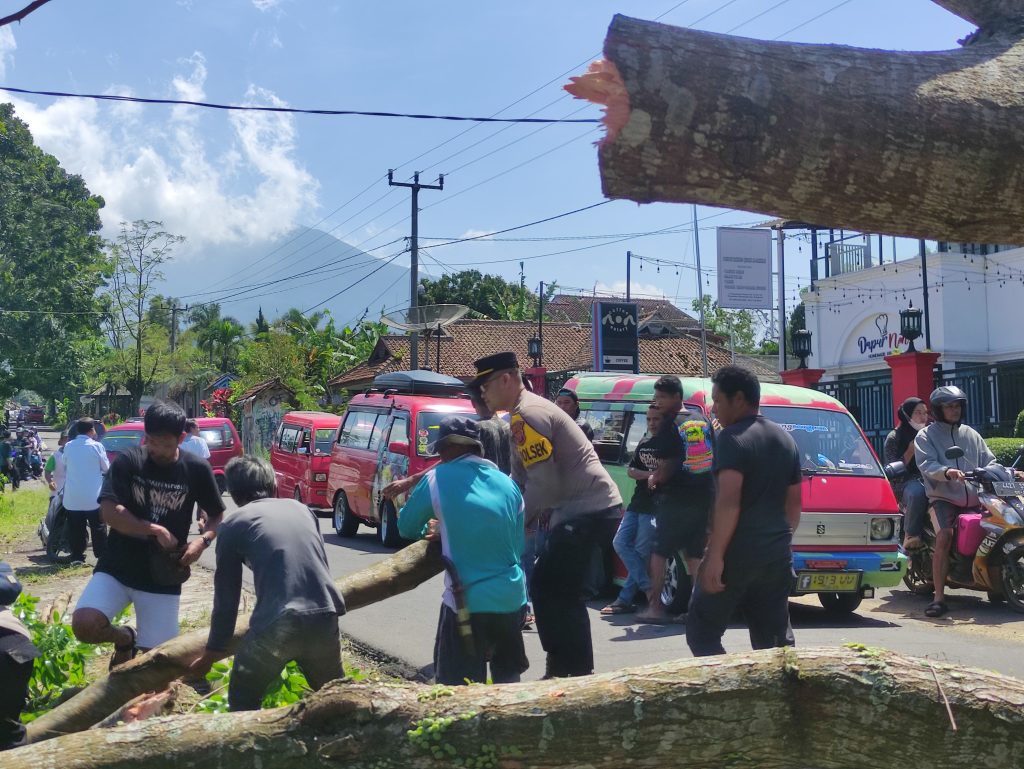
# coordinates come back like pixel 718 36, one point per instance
pixel 174 323
pixel 924 289
pixel 414 258
pixel 700 296
pixel 629 259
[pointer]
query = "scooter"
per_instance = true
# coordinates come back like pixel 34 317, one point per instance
pixel 987 553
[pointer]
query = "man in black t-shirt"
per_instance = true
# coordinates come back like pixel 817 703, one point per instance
pixel 748 563
pixel 634 539
pixel 147 500
pixel 682 486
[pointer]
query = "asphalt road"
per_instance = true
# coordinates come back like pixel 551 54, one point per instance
pixel 975 633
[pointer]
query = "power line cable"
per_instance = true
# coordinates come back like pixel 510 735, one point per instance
pixel 835 7
pixel 353 285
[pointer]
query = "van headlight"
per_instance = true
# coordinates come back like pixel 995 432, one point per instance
pixel 319 477
pixel 882 528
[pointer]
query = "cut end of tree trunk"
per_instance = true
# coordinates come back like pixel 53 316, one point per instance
pixel 603 85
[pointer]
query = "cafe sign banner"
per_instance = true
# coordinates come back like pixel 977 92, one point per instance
pixel 616 337
pixel 744 268
pixel 874 337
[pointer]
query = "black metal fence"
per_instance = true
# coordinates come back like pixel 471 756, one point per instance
pixel 869 398
pixel 995 394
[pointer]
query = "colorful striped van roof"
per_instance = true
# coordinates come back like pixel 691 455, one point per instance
pixel 633 388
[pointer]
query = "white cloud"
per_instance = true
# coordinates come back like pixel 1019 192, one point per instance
pixel 7 48
pixel 266 5
pixel 474 234
pixel 177 165
pixel 645 290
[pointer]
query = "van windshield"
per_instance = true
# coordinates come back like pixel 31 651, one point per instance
pixel 610 429
pixel 427 424
pixel 214 437
pixel 324 440
pixel 829 441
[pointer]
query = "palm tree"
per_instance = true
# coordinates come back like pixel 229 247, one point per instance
pixel 227 337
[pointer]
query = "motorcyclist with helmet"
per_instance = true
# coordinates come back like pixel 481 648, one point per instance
pixel 948 494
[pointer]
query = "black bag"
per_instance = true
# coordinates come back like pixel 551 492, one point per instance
pixel 165 567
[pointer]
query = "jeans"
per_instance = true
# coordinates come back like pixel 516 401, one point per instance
pixel 557 592
pixel 533 546
pixel 78 520
pixel 762 592
pixel 915 507
pixel 633 542
pixel 309 639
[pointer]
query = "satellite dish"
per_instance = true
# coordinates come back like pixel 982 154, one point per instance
pixel 427 317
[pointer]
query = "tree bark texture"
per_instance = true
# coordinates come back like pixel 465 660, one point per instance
pixel 925 145
pixel 154 670
pixel 774 709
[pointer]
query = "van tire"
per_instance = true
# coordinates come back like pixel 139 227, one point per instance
pixel 345 523
pixel 840 603
pixel 675 595
pixel 387 530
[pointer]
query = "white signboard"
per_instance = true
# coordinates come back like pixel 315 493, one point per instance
pixel 744 268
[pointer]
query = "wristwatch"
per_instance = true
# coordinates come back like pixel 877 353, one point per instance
pixel 207 541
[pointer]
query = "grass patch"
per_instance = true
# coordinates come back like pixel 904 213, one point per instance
pixel 33 575
pixel 20 513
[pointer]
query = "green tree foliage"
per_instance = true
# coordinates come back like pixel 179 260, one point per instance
pixel 488 295
pixel 739 325
pixel 139 355
pixel 275 354
pixel 52 262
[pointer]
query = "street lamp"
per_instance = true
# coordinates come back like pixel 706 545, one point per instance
pixel 802 346
pixel 910 325
pixel 533 349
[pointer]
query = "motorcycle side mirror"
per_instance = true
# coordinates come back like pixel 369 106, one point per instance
pixel 954 452
pixel 1020 450
pixel 894 470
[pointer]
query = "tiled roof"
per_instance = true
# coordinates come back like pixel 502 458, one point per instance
pixel 577 309
pixel 567 347
pixel 269 384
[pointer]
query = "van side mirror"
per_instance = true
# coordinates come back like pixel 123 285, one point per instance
pixel 398 447
pixel 303 450
pixel 954 452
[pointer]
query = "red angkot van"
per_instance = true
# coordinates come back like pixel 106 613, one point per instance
pixel 301 456
pixel 388 433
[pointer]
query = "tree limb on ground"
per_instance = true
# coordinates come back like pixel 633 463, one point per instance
pixel 777 709
pixel 154 670
pixel 926 145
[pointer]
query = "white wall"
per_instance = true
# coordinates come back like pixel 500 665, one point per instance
pixel 973 318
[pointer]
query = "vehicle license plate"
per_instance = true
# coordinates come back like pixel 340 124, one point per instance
pixel 1008 488
pixel 828 581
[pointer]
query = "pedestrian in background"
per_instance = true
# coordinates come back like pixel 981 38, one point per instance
pixel 635 537
pixel 749 561
pixel 297 604
pixel 558 470
pixel 477 512
pixel 17 655
pixel 85 463
pixel 194 443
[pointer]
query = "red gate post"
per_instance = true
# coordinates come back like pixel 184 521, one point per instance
pixel 538 376
pixel 803 377
pixel 912 376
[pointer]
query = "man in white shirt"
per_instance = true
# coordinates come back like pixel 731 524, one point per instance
pixel 194 443
pixel 85 462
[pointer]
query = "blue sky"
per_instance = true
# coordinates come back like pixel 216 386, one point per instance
pixel 239 183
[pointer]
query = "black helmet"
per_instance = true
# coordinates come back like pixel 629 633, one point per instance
pixel 944 395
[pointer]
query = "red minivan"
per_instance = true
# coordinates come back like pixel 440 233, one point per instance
pixel 218 432
pixel 301 456
pixel 222 439
pixel 388 433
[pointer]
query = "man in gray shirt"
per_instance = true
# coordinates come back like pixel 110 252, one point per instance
pixel 297 605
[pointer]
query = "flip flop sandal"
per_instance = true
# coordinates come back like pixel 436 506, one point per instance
pixel 936 609
pixel 123 654
pixel 617 607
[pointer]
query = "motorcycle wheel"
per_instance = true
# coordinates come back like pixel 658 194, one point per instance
pixel 919 572
pixel 1013 578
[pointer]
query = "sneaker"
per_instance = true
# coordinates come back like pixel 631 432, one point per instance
pixel 126 653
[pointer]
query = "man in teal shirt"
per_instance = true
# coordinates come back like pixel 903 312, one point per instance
pixel 477 511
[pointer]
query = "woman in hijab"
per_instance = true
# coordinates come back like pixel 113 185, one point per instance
pixel 899 447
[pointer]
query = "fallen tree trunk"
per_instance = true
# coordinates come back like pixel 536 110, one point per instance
pixel 775 709
pixel 918 144
pixel 157 668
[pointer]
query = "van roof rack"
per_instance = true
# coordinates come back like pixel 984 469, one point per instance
pixel 419 383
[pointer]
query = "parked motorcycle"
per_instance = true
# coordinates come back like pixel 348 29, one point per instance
pixel 987 553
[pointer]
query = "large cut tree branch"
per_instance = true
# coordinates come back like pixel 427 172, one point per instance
pixel 775 709
pixel 157 668
pixel 920 144
pixel 984 13
pixel 19 15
